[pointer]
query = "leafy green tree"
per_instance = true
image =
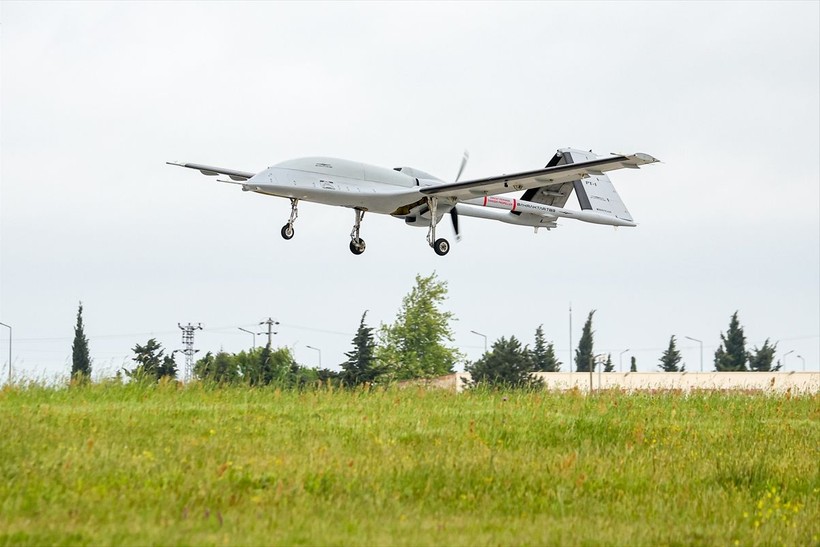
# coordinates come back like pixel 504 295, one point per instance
pixel 167 368
pixel 608 366
pixel 583 354
pixel 220 368
pixel 325 376
pixel 760 360
pixel 506 365
pixel 361 365
pixel 80 358
pixel 543 354
pixel 633 364
pixel 279 367
pixel 671 358
pixel 731 354
pixel 415 345
pixel 249 365
pixel 151 362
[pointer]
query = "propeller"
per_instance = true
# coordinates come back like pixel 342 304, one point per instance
pixel 454 211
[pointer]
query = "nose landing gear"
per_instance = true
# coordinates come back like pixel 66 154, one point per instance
pixel 441 246
pixel 357 244
pixel 287 230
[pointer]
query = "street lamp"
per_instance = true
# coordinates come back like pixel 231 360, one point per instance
pixel 784 357
pixel 251 333
pixel 320 354
pixel 9 327
pixel 621 360
pixel 483 336
pixel 701 349
pixel 804 362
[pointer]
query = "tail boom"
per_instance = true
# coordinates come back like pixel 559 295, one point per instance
pixel 541 211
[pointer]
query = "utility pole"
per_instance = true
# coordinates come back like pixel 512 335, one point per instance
pixel 189 351
pixel 270 323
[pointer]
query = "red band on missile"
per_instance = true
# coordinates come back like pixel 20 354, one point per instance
pixel 485 201
pixel 514 204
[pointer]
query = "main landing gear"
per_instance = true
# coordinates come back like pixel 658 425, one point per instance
pixel 441 246
pixel 287 230
pixel 357 245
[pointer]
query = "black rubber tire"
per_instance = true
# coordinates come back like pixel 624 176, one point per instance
pixel 357 247
pixel 287 231
pixel 441 246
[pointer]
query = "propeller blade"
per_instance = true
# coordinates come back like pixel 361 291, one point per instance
pixel 463 163
pixel 454 218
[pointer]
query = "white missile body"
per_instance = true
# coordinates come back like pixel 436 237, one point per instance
pixel 545 213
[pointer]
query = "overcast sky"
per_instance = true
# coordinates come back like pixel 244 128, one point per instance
pixel 96 97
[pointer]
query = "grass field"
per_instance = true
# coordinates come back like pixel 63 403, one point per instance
pixel 140 465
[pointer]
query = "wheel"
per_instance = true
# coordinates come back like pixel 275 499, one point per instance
pixel 287 231
pixel 357 246
pixel 441 246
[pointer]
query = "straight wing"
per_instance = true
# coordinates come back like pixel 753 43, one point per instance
pixel 214 171
pixel 548 176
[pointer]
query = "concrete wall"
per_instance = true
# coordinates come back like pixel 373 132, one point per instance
pixel 797 382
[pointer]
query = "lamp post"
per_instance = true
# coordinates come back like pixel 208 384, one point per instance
pixel 804 362
pixel 701 349
pixel 251 333
pixel 483 336
pixel 784 357
pixel 621 360
pixel 320 354
pixel 9 327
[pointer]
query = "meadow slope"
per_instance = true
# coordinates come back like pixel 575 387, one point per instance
pixel 137 465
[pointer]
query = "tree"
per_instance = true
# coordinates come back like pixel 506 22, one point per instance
pixel 608 366
pixel 670 358
pixel 584 355
pixel 760 360
pixel 543 354
pixel 277 367
pixel 414 346
pixel 361 365
pixel 507 364
pixel 80 358
pixel 633 364
pixel 731 354
pixel 152 364
pixel 167 368
pixel 220 368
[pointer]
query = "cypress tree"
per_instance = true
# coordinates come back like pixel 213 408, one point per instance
pixel 608 366
pixel 633 364
pixel 361 365
pixel 760 360
pixel 543 354
pixel 80 358
pixel 583 355
pixel 506 365
pixel 670 358
pixel 731 354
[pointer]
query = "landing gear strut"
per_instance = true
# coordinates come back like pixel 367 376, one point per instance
pixel 287 229
pixel 441 246
pixel 357 245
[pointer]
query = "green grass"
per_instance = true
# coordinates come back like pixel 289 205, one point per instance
pixel 139 465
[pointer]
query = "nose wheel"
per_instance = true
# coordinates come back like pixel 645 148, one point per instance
pixel 441 246
pixel 287 230
pixel 357 245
